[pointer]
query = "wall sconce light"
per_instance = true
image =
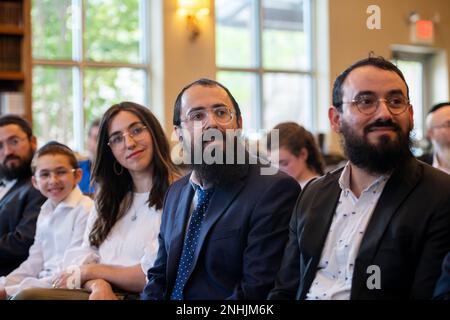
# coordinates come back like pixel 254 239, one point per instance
pixel 193 10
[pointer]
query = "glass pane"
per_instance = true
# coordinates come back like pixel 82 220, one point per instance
pixel 285 42
pixel 234 38
pixel 52 105
pixel 242 87
pixel 105 87
pixel 413 72
pixel 287 97
pixel 52 29
pixel 112 30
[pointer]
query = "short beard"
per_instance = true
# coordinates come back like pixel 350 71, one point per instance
pixel 23 170
pixel 380 158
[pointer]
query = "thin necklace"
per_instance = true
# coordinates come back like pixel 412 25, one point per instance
pixel 134 216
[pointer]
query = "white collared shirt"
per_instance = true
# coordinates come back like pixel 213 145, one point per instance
pixel 58 229
pixel 132 240
pixel 8 184
pixel 437 165
pixel 334 275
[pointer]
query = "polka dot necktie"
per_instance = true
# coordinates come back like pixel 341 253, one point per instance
pixel 190 242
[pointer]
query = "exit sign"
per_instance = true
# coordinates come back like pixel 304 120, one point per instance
pixel 422 32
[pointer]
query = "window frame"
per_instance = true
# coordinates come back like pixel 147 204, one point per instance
pixel 259 70
pixel 80 63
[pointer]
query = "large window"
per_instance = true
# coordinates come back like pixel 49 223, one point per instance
pixel 87 55
pixel 263 55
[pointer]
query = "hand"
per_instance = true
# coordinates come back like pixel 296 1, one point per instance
pixel 62 279
pixel 101 290
pixel 3 294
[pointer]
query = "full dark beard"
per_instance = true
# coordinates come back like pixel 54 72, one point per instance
pixel 20 172
pixel 225 172
pixel 382 157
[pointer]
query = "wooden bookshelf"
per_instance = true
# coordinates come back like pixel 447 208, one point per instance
pixel 11 75
pixel 12 30
pixel 15 53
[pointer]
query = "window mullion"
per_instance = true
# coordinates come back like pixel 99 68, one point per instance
pixel 77 73
pixel 258 51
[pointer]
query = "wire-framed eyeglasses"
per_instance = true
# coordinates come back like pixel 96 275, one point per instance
pixel 369 104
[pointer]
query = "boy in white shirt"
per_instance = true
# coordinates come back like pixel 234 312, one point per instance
pixel 61 222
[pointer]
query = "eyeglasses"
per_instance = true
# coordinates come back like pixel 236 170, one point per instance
pixel 11 142
pixel 45 175
pixel 118 139
pixel 442 126
pixel 368 104
pixel 222 115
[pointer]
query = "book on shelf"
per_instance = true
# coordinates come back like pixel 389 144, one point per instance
pixel 12 102
pixel 11 13
pixel 10 53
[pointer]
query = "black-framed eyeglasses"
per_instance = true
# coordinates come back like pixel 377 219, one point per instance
pixel 369 104
pixel 118 139
pixel 222 115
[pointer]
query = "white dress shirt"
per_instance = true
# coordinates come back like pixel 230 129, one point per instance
pixel 334 275
pixel 437 165
pixel 132 240
pixel 58 229
pixel 6 186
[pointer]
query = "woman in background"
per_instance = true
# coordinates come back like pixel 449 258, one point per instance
pixel 299 155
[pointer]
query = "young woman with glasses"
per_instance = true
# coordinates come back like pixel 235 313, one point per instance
pixel 132 170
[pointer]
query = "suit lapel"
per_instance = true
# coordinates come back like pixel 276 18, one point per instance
pixel 397 189
pixel 316 228
pixel 16 186
pixel 220 201
pixel 179 228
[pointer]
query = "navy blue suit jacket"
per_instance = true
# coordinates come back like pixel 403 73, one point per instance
pixel 19 209
pixel 241 242
pixel 443 286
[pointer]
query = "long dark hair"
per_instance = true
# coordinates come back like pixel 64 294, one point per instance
pixel 114 195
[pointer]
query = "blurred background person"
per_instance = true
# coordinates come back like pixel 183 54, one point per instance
pixel 86 164
pixel 438 132
pixel 299 155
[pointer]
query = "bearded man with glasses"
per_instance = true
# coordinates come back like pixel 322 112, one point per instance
pixel 438 132
pixel 378 228
pixel 20 203
pixel 225 225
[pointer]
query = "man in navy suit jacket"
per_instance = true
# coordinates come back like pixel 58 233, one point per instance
pixel 245 228
pixel 20 203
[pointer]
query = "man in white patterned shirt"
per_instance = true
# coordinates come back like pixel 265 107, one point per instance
pixel 380 227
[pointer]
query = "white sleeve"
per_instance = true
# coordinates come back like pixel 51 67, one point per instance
pixel 84 254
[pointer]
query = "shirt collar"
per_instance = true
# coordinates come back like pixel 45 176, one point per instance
pixel 437 165
pixel 8 183
pixel 71 201
pixel 344 180
pixel 195 182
